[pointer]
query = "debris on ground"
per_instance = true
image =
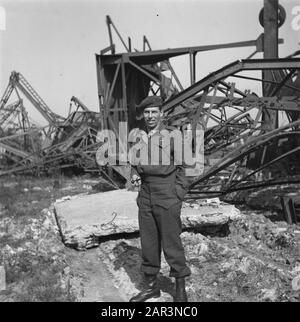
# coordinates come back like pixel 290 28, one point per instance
pixel 242 266
pixel 254 257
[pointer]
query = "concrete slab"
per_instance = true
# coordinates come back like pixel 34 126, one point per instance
pixel 82 220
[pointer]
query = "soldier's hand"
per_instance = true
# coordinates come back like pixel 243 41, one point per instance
pixel 135 180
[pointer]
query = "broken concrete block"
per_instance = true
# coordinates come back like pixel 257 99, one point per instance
pixel 84 219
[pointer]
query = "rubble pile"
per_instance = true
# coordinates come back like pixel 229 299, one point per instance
pixel 257 261
pixel 245 255
pixel 267 198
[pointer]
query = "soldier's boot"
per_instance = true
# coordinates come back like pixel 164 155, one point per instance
pixel 151 290
pixel 181 295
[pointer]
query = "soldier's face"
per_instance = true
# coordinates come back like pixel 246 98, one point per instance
pixel 152 117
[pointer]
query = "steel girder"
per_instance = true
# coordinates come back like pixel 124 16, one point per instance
pixel 231 69
pixel 234 131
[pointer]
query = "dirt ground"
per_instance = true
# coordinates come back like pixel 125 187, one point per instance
pixel 38 266
pixel 254 259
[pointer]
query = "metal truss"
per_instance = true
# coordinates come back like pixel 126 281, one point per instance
pixel 241 149
pixel 244 152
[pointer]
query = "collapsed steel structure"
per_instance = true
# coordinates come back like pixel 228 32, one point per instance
pixel 237 141
pixel 64 142
pixel 243 148
pixel 244 145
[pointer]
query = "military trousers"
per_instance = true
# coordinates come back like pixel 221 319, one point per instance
pixel 160 228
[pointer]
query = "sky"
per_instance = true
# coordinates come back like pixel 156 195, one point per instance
pixel 53 43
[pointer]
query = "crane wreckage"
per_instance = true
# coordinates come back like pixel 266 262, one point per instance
pixel 250 140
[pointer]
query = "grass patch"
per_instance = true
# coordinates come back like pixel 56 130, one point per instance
pixel 40 279
pixel 33 274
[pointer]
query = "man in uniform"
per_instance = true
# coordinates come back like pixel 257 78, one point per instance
pixel 162 189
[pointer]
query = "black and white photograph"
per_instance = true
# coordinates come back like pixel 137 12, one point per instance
pixel 149 152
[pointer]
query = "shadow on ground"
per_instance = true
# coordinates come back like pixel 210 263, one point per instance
pixel 129 257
